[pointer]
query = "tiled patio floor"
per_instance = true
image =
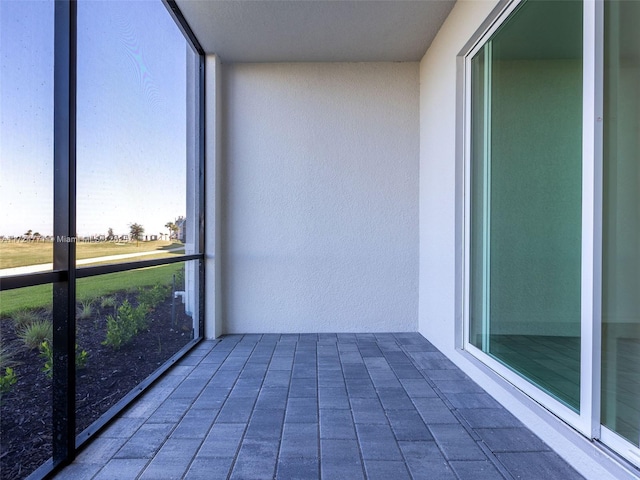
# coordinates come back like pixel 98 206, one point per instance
pixel 331 406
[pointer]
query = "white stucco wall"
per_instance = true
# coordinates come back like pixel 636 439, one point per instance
pixel 320 199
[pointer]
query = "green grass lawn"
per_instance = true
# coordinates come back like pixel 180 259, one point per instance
pixel 22 254
pixel 91 288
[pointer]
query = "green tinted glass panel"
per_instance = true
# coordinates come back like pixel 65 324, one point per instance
pixel 526 196
pixel 621 222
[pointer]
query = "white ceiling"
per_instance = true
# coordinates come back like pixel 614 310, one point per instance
pixel 315 30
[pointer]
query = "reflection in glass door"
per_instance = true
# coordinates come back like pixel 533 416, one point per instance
pixel 526 173
pixel 621 223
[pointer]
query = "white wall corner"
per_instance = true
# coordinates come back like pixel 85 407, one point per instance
pixel 441 190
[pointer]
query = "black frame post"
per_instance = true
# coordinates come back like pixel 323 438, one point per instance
pixel 64 231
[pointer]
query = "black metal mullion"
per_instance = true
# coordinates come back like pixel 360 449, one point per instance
pixel 64 226
pixel 86 272
pixel 31 280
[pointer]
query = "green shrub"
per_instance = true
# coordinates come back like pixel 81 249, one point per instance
pixel 125 325
pixel 33 335
pixel 23 318
pixel 46 352
pixel 154 296
pixel 81 358
pixel 7 380
pixel 119 332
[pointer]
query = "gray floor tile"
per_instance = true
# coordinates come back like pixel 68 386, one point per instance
pixel 472 400
pixel 79 471
pixel 209 468
pixel 149 402
pixel 281 362
pixel 377 442
pixel 301 410
pixel 489 418
pixel 256 460
pixel 195 424
pixel 395 399
pixel 407 425
pixel 425 460
pixel 299 440
pixel 368 411
pixel 333 398
pixel 121 468
pixel 100 450
pixel 223 440
pixel 537 465
pixel 455 443
pixel 189 388
pixel 211 398
pixel 430 361
pixel 417 388
pixel 272 398
pixel 296 468
pixel 357 387
pixel 236 410
pixel 354 370
pixel 448 375
pixel 146 441
pixel 517 439
pixel 336 424
pixel 303 387
pixel 476 470
pixel 434 411
pixel 407 372
pixel 340 459
pixel 265 424
pixel 123 427
pixel 385 470
pixel 301 406
pixel 171 410
pixel 277 378
pixel 172 460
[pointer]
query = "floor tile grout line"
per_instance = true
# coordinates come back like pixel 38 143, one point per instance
pixel 244 431
pixel 319 448
pixel 362 461
pixel 284 416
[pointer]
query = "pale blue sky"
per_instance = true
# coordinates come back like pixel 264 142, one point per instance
pixel 130 118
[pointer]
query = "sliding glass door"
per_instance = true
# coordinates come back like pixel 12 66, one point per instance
pixel 526 107
pixel 552 232
pixel 621 223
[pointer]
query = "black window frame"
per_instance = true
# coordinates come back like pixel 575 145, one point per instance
pixel 65 443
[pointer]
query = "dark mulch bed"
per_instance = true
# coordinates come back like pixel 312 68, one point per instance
pixel 25 413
